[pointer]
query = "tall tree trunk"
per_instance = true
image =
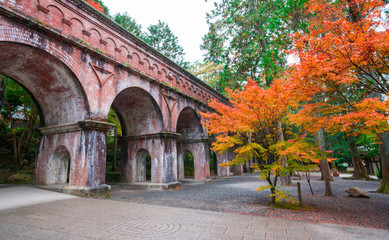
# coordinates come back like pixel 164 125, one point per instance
pixel 285 180
pixel 384 152
pixel 324 167
pixel 359 170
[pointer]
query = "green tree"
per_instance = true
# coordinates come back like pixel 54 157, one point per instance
pixel 19 118
pixel 113 138
pixel 162 39
pixel 208 72
pixel 248 37
pixel 129 23
pixel 159 36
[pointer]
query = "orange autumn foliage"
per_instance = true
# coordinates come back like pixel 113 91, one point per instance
pixel 251 127
pixel 96 5
pixel 342 62
pixel 255 113
pixel 251 124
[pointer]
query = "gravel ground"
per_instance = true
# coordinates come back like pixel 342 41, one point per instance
pixel 237 195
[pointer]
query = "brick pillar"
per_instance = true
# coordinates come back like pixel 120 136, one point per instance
pixel 200 150
pixel 237 170
pixel 84 143
pixel 163 152
pixel 223 158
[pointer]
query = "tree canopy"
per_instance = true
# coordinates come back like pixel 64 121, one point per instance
pixel 162 39
pixel 159 35
pixel 251 128
pixel 338 83
pixel 249 38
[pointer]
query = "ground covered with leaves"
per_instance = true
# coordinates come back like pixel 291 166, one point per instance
pixel 238 195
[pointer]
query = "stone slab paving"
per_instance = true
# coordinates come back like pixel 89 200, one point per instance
pixel 82 218
pixel 10 196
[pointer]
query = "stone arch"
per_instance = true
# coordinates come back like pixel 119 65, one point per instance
pixel 146 66
pixel 185 85
pixel 143 165
pixel 214 163
pixel 180 81
pixel 135 60
pixel 191 138
pixel 110 47
pixel 164 75
pixel 138 111
pixel 124 54
pixel 56 89
pixel 155 71
pixel 76 28
pixel 189 124
pixel 55 16
pixel 142 123
pixel 95 38
pixel 185 165
pixel 59 166
pixel 174 80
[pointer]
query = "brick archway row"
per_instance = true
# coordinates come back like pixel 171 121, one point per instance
pixel 76 21
pixel 75 85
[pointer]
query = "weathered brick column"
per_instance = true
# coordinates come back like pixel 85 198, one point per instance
pixel 163 152
pixel 84 144
pixel 200 150
pixel 223 158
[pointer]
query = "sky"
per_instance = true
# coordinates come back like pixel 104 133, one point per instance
pixel 186 19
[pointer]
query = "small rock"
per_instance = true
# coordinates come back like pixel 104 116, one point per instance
pixel 335 173
pixel 356 192
pixel 20 177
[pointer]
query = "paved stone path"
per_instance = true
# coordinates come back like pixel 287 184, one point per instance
pixel 61 217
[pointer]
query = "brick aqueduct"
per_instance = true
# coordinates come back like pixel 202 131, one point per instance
pixel 77 64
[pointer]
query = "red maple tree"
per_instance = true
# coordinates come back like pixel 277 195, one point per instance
pixel 250 127
pixel 342 71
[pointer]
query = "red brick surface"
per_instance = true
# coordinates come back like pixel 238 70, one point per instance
pixel 77 64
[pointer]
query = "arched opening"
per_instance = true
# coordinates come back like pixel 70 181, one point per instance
pixel 19 136
pixel 189 125
pixel 213 163
pixel 56 90
pixel 143 166
pixel 139 116
pixel 41 91
pixel 192 139
pixel 138 112
pixel 59 166
pixel 114 149
pixel 185 166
